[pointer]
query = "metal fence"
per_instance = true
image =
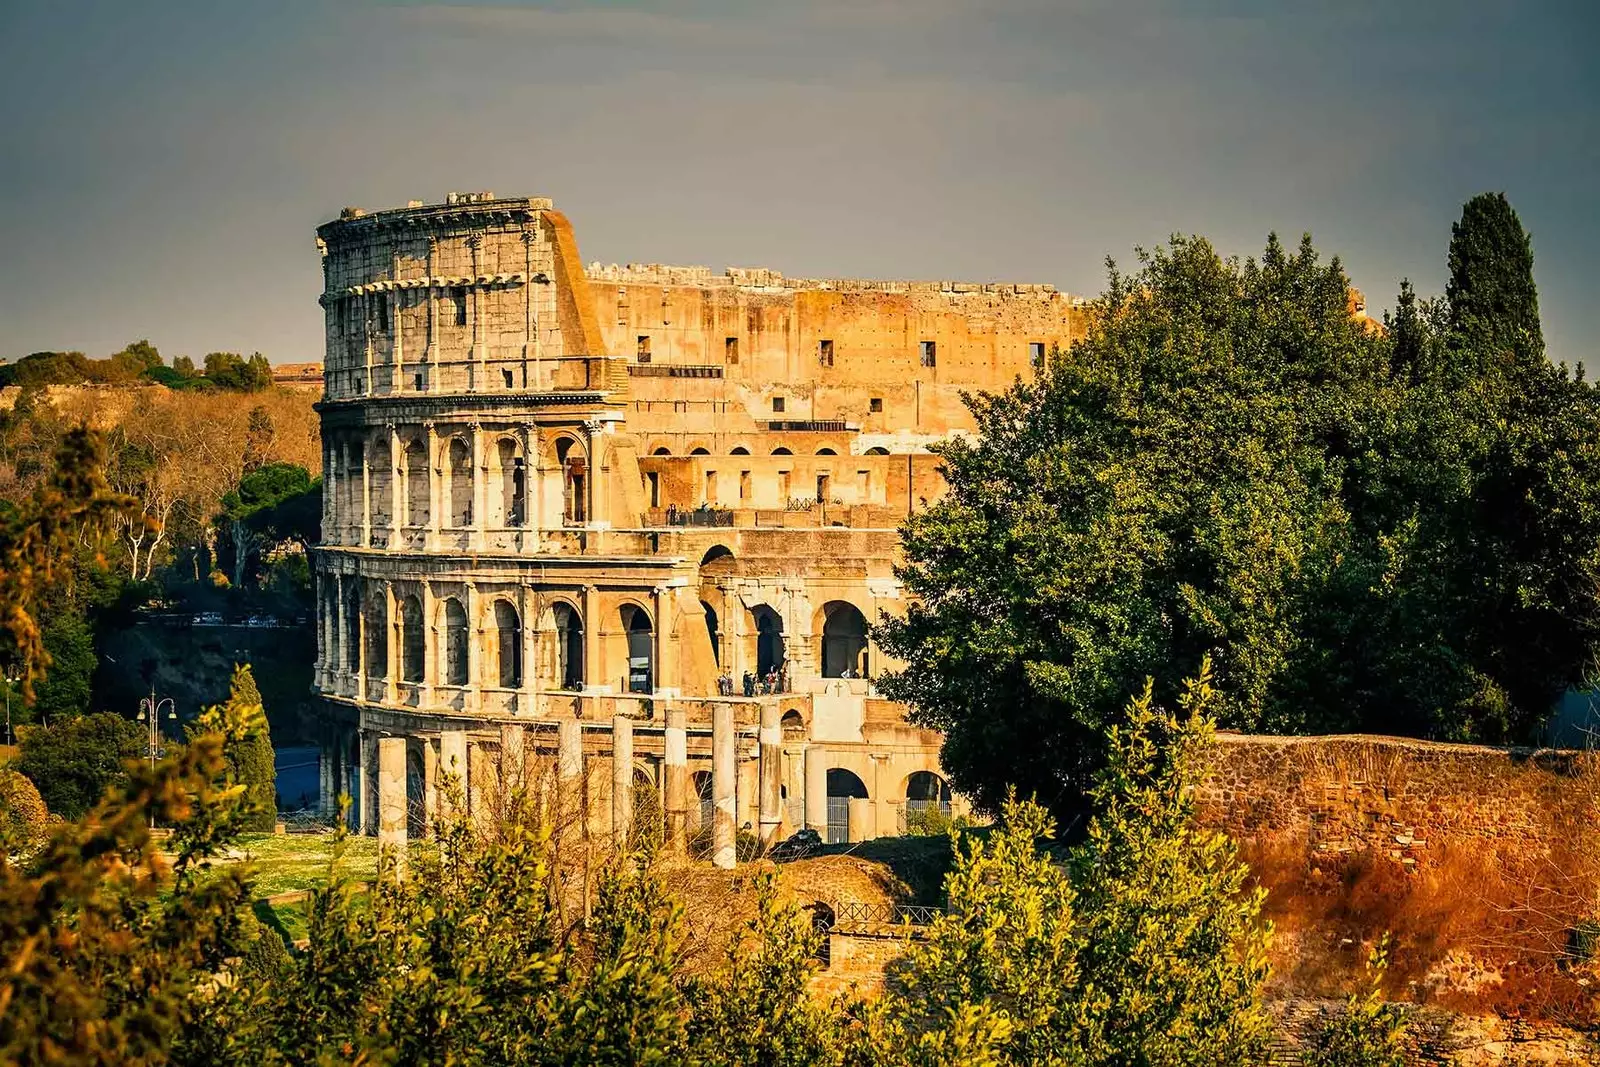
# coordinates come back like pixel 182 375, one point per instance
pixel 864 918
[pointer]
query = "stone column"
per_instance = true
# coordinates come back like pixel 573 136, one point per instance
pixel 366 494
pixel 452 787
pixel 474 606
pixel 475 316
pixel 863 825
pixel 361 646
pixel 530 337
pixel 621 780
pixel 325 792
pixel 770 793
pixel 666 659
pixel 430 784
pixel 593 638
pixel 392 800
pixel 391 672
pixel 817 790
pixel 369 782
pixel 430 646
pixel 480 480
pixel 675 782
pixel 434 481
pixel 569 778
pixel 723 825
pixel 397 485
pixel 528 610
pixel 430 354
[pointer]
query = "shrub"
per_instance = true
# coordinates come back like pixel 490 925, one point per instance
pixel 23 814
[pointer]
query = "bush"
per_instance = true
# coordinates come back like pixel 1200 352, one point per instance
pixel 74 761
pixel 1368 1032
pixel 23 814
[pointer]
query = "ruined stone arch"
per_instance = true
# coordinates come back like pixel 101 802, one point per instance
pixel 454 635
pixel 739 450
pixel 771 650
pixel 508 479
pixel 561 661
pixel 781 451
pixel 843 639
pixel 638 631
pixel 411 638
pixel 926 790
pixel 700 450
pixel 503 659
pixel 794 725
pixel 826 451
pixel 375 653
pixel 572 459
pixel 380 478
pixel 351 645
pixel 662 450
pixel 877 450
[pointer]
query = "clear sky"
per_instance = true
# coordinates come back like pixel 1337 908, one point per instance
pixel 163 164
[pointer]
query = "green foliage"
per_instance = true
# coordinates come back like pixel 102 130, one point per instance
pixel 74 761
pixel 97 966
pixel 1361 534
pixel 23 814
pixel 229 370
pixel 249 758
pixel 69 641
pixel 1368 1032
pixel 1494 304
pixel 1144 947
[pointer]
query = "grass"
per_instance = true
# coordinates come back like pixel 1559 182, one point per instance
pixel 287 863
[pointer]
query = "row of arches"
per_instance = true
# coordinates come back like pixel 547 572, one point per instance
pixel 740 450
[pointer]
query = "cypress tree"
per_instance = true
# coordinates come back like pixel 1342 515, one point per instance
pixel 1494 304
pixel 251 760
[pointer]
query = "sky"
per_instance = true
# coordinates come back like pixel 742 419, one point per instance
pixel 163 165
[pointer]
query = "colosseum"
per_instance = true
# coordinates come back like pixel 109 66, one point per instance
pixel 629 525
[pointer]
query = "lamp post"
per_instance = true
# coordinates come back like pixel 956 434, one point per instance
pixel 10 681
pixel 150 715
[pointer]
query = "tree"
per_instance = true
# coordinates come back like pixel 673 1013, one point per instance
pixel 1494 304
pixel 249 760
pixel 275 502
pixel 1143 947
pixel 75 761
pixel 1368 1032
pixel 24 818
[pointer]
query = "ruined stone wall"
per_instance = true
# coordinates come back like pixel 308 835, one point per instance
pixel 1398 797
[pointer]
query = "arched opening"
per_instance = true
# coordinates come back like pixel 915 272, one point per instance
pixel 329 620
pixel 877 450
pixel 769 640
pixel 926 791
pixel 568 666
pixel 377 650
pixel 641 649
pixel 701 452
pixel 507 667
pixel 739 450
pixel 412 642
pixel 416 484
pixel 513 482
pixel 453 621
pixel 826 451
pixel 648 815
pixel 713 632
pixel 701 783
pixel 781 451
pixel 794 727
pixel 574 475
pixel 717 561
pixel 352 628
pixel 380 466
pixel 416 789
pixel 843 787
pixel 662 451
pixel 459 458
pixel 844 641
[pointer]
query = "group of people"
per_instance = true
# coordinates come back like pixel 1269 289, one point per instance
pixel 776 680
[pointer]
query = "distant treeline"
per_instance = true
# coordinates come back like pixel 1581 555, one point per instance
pixel 140 361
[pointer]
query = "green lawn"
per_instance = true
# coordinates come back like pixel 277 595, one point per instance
pixel 286 863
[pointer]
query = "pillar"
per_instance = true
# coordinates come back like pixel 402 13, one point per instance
pixel 817 790
pixel 434 482
pixel 480 485
pixel 593 643
pixel 366 493
pixel 325 793
pixel 862 824
pixel 392 800
pixel 391 666
pixel 474 694
pixel 569 777
pixel 723 826
pixel 430 353
pixel 621 780
pixel 430 784
pixel 369 782
pixel 452 786
pixel 675 782
pixel 397 482
pixel 770 792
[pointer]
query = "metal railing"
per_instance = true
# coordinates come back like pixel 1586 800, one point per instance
pixel 865 918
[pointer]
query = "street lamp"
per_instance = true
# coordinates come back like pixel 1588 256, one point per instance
pixel 10 681
pixel 150 715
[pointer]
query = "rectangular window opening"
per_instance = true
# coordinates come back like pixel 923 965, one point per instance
pixel 875 405
pixel 642 352
pixel 653 480
pixel 744 485
pixel 929 354
pixel 730 350
pixel 777 404
pixel 459 295
pixel 822 488
pixel 383 314
pixel 711 487
pixel 825 353
pixel 1036 354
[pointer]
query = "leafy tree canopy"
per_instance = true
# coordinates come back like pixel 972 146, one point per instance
pixel 75 760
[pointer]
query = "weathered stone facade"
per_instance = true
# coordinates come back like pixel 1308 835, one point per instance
pixel 567 513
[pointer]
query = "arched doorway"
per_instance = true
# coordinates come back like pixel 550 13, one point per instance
pixel 769 639
pixel 641 649
pixel 574 473
pixel 460 482
pixel 700 782
pixel 567 669
pixel 416 483
pixel 877 450
pixel 512 479
pixel 843 787
pixel 413 645
pixel 507 668
pixel 844 641
pixel 453 620
pixel 926 791
pixel 376 653
pixel 352 627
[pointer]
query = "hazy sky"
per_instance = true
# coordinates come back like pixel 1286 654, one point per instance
pixel 163 165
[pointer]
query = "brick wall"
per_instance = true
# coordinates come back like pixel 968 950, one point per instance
pixel 1399 797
